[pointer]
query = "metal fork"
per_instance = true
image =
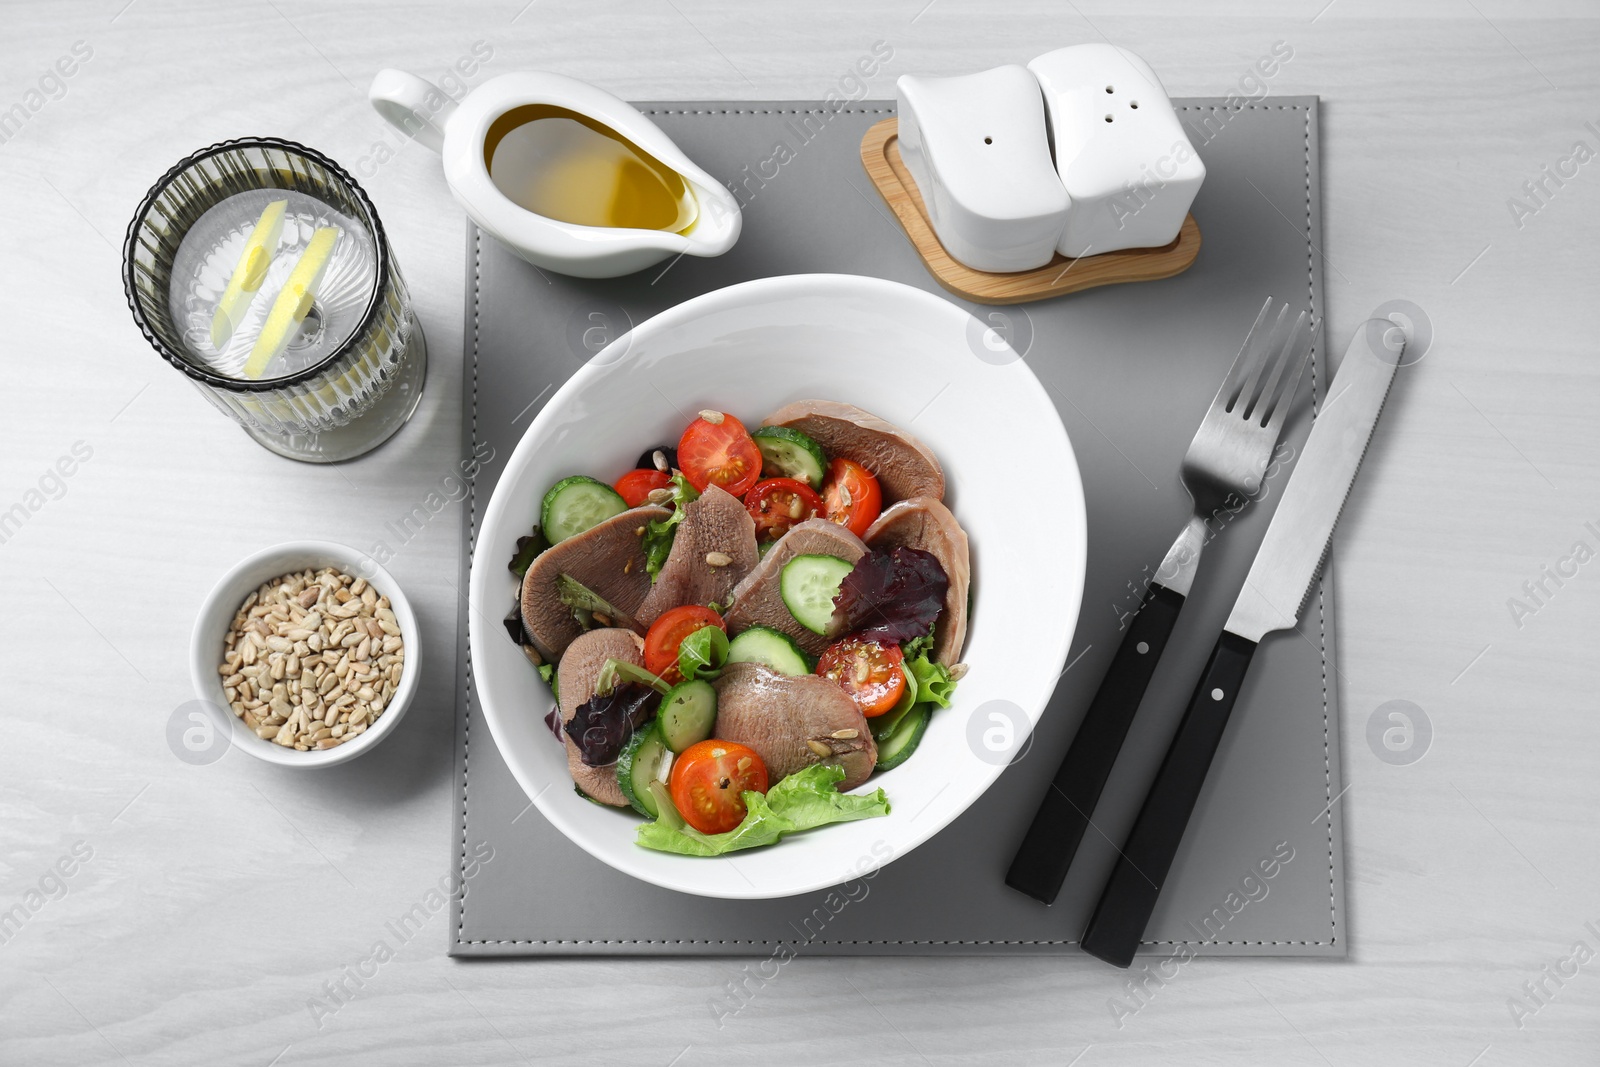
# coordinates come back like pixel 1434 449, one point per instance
pixel 1222 471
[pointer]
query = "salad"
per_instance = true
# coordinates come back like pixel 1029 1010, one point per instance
pixel 747 625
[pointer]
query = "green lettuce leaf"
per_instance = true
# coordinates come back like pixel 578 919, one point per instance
pixel 703 653
pixel 920 646
pixel 658 534
pixel 616 671
pixel 810 798
pixel 803 801
pixel 933 682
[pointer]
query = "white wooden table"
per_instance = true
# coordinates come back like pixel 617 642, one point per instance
pixel 207 905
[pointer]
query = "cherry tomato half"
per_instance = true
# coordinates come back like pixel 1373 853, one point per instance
pixel 852 495
pixel 667 633
pixel 778 503
pixel 869 672
pixel 708 782
pixel 636 486
pixel 719 453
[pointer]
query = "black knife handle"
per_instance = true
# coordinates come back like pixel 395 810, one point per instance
pixel 1119 920
pixel 1047 850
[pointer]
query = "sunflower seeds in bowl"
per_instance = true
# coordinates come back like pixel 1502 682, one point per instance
pixel 312 658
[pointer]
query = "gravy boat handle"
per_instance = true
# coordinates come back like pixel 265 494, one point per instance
pixel 414 106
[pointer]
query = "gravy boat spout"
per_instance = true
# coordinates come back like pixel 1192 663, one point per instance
pixel 467 133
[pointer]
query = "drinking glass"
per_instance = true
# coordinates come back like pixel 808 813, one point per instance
pixel 352 371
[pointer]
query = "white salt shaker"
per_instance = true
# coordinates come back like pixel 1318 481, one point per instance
pixel 1121 152
pixel 980 154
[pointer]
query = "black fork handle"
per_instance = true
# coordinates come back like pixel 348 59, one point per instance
pixel 1047 851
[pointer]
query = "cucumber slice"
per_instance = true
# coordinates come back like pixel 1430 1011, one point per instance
pixel 808 585
pixel 687 714
pixel 645 759
pixel 903 739
pixel 764 645
pixel 787 453
pixel 576 504
pixel 883 725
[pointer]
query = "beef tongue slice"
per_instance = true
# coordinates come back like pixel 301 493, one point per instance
pixel 714 547
pixel 576 674
pixel 903 465
pixel 758 601
pixel 793 722
pixel 608 559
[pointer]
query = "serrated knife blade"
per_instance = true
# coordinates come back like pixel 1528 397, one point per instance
pixel 1274 592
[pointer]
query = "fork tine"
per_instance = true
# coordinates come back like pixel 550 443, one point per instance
pixel 1261 409
pixel 1297 362
pixel 1269 348
pixel 1229 393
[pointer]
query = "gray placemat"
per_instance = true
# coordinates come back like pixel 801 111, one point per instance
pixel 1132 369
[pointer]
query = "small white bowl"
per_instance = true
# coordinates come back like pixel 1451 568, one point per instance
pixel 216 614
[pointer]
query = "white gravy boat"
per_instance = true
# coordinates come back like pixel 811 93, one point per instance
pixel 465 135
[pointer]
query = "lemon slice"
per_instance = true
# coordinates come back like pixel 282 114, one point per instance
pixel 248 274
pixel 294 300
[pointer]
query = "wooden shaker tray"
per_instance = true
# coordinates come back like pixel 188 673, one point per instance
pixel 880 155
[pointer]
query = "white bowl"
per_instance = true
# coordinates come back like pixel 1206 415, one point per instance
pixel 216 614
pixel 900 353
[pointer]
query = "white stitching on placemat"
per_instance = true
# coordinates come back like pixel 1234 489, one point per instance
pixel 1322 628
pixel 472 542
pixel 466 747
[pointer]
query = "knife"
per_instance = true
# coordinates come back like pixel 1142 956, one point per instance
pixel 1274 592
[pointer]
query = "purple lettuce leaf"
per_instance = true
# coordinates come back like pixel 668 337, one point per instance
pixel 892 596
pixel 603 724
